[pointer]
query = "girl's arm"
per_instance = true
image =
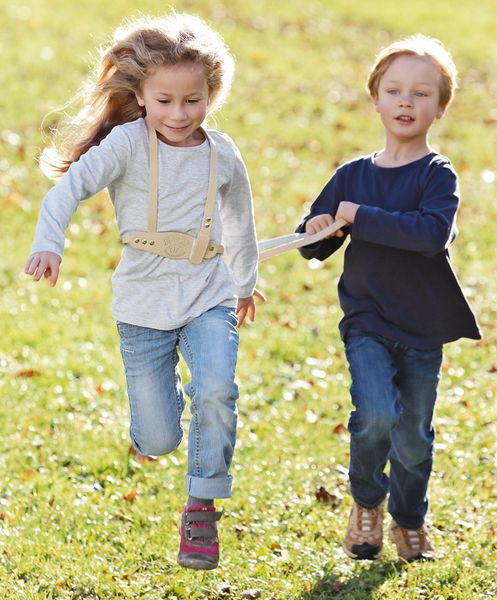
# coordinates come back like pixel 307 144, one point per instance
pixel 96 169
pixel 239 236
pixel 246 306
pixel 43 264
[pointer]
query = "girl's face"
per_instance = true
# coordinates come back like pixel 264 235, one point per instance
pixel 409 98
pixel 176 99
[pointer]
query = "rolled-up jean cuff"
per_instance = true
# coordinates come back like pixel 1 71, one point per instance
pixel 199 487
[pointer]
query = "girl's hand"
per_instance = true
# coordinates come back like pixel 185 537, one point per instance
pixel 44 264
pixel 247 305
pixel 320 222
pixel 347 211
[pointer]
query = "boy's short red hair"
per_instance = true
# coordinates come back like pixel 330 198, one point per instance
pixel 422 46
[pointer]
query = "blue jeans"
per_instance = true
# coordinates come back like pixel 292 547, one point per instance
pixel 209 345
pixel 394 388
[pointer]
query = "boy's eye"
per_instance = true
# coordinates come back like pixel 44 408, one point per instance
pixel 163 101
pixel 393 92
pixel 421 94
pixel 193 100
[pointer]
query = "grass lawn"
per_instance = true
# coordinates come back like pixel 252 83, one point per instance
pixel 80 517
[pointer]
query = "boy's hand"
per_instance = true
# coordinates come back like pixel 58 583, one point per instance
pixel 320 222
pixel 247 305
pixel 42 264
pixel 347 211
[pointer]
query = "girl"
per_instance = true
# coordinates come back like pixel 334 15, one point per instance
pixel 178 191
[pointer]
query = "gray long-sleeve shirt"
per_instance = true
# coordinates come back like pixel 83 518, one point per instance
pixel 149 290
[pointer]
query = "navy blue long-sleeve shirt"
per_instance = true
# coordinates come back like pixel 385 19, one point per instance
pixel 397 279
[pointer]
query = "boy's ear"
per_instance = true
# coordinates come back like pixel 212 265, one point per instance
pixel 441 111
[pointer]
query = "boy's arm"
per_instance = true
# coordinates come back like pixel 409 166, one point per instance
pixel 322 211
pixel 429 229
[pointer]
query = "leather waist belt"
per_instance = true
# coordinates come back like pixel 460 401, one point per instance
pixel 170 244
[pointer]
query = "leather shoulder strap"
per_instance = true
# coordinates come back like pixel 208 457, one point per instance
pixel 153 186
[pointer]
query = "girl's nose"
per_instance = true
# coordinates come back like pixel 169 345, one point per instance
pixel 178 112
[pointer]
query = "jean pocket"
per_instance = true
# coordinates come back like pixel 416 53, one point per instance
pixel 127 334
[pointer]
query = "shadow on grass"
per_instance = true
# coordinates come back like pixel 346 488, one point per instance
pixel 360 586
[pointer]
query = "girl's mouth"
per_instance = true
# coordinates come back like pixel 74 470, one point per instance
pixel 175 128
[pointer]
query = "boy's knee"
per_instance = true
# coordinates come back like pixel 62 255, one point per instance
pixel 378 424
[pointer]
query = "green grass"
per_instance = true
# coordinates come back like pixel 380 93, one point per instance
pixel 297 109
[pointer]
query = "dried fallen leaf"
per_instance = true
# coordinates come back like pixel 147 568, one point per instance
pixel 324 496
pixel 11 199
pixel 307 587
pixel 131 495
pixel 240 530
pixel 28 373
pixel 224 590
pixel 27 474
pixel 340 428
pixel 251 594
pixel 6 517
pixel 141 458
pixel 337 586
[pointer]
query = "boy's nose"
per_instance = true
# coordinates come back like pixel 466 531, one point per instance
pixel 405 100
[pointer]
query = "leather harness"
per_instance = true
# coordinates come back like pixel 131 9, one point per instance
pixel 177 245
pixel 174 244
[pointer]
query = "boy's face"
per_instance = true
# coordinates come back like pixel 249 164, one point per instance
pixel 409 97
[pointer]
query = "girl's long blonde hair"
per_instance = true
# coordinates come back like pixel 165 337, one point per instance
pixel 134 51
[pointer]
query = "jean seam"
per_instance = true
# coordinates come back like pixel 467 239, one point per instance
pixel 196 428
pixel 179 404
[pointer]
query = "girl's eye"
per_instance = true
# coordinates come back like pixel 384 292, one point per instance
pixel 193 101
pixel 392 92
pixel 163 101
pixel 422 94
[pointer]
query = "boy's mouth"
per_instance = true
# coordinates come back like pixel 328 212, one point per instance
pixel 404 118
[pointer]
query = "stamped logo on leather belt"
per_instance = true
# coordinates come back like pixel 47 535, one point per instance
pixel 175 247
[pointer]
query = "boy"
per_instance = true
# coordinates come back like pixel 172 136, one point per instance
pixel 400 297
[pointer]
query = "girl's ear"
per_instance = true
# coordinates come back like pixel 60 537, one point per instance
pixel 139 98
pixel 441 112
